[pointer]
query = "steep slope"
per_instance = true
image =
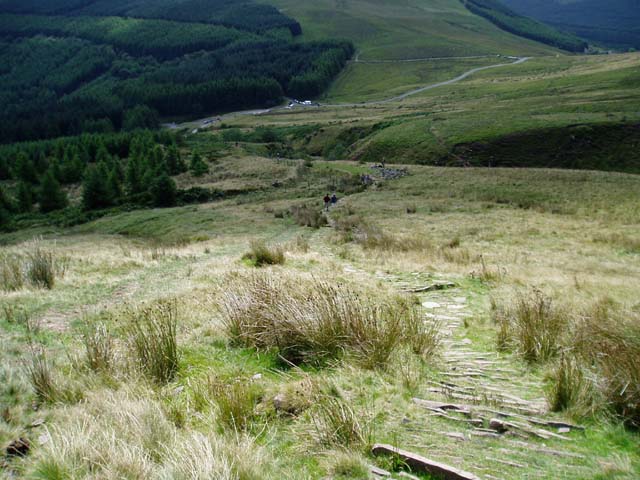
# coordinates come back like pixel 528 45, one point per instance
pixel 92 66
pixel 526 27
pixel 401 29
pixel 614 22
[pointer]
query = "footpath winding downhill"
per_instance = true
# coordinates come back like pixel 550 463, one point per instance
pixel 482 409
pixel 203 122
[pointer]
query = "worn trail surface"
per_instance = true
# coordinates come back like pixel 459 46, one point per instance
pixel 481 410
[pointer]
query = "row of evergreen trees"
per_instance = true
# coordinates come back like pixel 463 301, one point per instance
pixel 142 179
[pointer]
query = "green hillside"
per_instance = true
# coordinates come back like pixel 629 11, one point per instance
pixel 67 74
pixel 387 30
pixel 434 266
pixel 532 103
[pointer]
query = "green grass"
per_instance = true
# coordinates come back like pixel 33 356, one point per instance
pixel 536 99
pixel 361 82
pixel 406 29
pixel 558 228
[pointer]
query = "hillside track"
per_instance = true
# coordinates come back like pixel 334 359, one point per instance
pixel 206 121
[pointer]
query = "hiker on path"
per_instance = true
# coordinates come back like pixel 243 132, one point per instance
pixel 326 199
pixel 334 199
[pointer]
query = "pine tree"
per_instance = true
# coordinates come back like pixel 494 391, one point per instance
pixel 174 161
pixel 197 166
pixel 25 169
pixel 95 188
pixel 102 154
pixel 52 197
pixel 56 170
pixel 114 185
pixel 5 201
pixel 133 176
pixel 24 197
pixel 6 207
pixel 5 172
pixel 163 191
pixel 73 169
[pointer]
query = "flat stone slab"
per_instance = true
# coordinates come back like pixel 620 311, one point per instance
pixel 430 305
pixel 419 463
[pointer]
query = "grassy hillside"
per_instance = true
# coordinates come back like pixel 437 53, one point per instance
pixel 229 410
pixel 106 67
pixel 406 29
pixel 540 94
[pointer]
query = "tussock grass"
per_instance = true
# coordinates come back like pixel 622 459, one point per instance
pixel 311 321
pixel 354 228
pixel 261 254
pixel 533 326
pixel 153 334
pixel 36 266
pixel 308 216
pixel 573 388
pixel 125 434
pixel 40 375
pixel 607 337
pixel 40 268
pixel 301 244
pixel 335 423
pixel 236 402
pixel 597 349
pixel 11 275
pixel 349 465
pixel 98 345
pixel 200 456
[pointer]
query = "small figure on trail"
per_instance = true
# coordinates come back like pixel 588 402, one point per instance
pixel 326 199
pixel 334 199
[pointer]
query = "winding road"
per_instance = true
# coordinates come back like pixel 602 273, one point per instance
pixel 203 122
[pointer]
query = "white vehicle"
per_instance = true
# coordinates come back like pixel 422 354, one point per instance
pixel 307 102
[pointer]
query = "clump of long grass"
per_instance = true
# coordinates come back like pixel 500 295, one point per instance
pixel 200 456
pixel 606 338
pixel 261 254
pixel 308 216
pixel 354 228
pixel 41 268
pixel 596 352
pixel 572 387
pixel 311 321
pixel 335 423
pixel 236 402
pixel 486 273
pixel 152 330
pixel 40 375
pixel 533 326
pixel 99 346
pixel 37 266
pixel 349 465
pixel 11 274
pixel 124 433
